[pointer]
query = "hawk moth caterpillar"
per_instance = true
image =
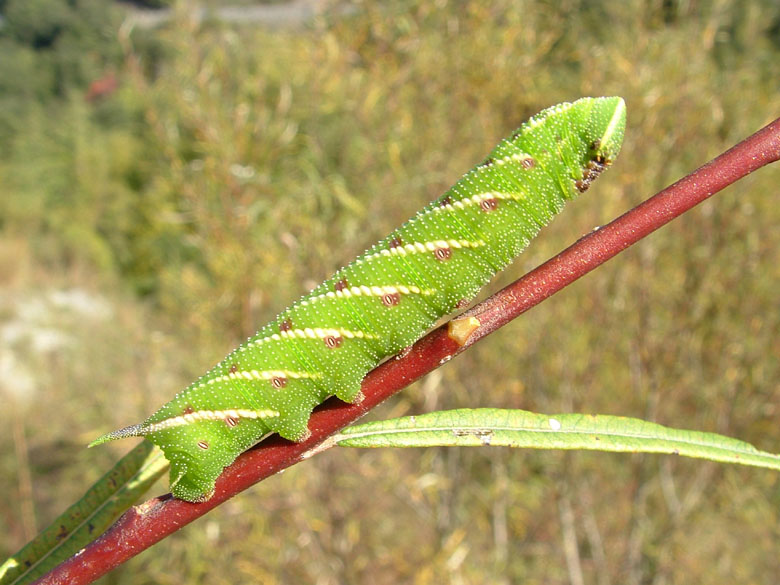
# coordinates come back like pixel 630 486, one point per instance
pixel 386 299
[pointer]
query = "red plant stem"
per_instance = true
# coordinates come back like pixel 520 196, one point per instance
pixel 144 525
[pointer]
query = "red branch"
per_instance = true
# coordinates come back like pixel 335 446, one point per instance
pixel 144 525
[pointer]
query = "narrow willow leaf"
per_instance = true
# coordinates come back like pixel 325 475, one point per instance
pixel 88 518
pixel 433 265
pixel 482 427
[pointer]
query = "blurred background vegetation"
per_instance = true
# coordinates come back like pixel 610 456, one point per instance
pixel 168 185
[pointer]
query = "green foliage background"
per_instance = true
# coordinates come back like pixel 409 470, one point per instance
pixel 145 232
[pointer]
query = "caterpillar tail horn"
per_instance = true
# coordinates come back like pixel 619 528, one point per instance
pixel 137 430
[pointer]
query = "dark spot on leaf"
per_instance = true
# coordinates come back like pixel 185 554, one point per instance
pixel 203 445
pixel 188 409
pixel 445 201
pixel 285 325
pixel 486 163
pixel 528 163
pixel 481 433
pixel 230 421
pixel 396 242
pixel 341 284
pixel 233 368
pixel 595 145
pixel 278 382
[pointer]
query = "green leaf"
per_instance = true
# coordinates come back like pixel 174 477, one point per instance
pixel 482 427
pixel 88 518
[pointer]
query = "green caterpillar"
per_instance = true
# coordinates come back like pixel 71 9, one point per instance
pixel 386 299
